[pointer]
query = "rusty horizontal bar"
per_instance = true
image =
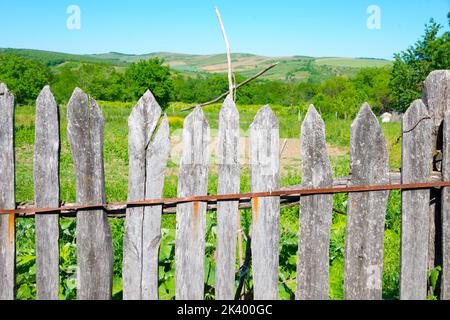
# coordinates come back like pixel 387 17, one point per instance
pixel 172 202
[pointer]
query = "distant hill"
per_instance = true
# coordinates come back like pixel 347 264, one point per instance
pixel 290 68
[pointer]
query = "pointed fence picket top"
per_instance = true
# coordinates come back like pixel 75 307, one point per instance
pixel 445 280
pixel 148 154
pixel 416 167
pixel 265 176
pixel 46 192
pixel 366 210
pixel 7 195
pixel 436 97
pixel 94 241
pixel 315 211
pixel 191 217
pixel 227 211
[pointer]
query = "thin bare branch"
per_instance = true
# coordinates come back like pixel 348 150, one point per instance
pixel 227 44
pixel 222 96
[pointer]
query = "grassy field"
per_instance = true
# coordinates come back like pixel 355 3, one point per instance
pixel 116 172
pixel 352 62
pixel 298 68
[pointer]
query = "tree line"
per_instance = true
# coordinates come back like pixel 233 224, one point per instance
pixel 386 89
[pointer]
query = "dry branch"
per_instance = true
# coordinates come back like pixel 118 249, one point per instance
pixel 235 88
pixel 227 44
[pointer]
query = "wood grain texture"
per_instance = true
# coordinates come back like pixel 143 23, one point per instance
pixel 7 195
pixel 46 192
pixel 416 167
pixel 366 211
pixel 191 217
pixel 315 211
pixel 445 280
pixel 227 211
pixel 147 164
pixel 265 176
pixel 436 97
pixel 94 241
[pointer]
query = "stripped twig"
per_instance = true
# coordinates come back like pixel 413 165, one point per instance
pixel 227 44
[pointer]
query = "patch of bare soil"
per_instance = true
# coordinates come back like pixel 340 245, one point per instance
pixel 290 153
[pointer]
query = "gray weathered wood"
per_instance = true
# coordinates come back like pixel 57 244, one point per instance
pixel 436 97
pixel 416 167
pixel 315 212
pixel 147 164
pixel 191 217
pixel 7 195
pixel 445 280
pixel 366 210
pixel 265 176
pixel 227 211
pixel 94 241
pixel 46 193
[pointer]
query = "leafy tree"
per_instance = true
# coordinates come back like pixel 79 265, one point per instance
pixel 412 66
pixel 64 83
pixel 25 78
pixel 150 74
pixel 374 83
pixel 101 81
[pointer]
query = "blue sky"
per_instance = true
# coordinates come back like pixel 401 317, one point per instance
pixel 272 28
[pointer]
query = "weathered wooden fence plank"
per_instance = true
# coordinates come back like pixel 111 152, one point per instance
pixel 436 97
pixel 147 163
pixel 191 217
pixel 227 211
pixel 445 280
pixel 46 192
pixel 265 176
pixel 315 211
pixel 416 167
pixel 366 210
pixel 94 241
pixel 7 195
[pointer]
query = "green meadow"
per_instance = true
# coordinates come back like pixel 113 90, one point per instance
pixel 116 172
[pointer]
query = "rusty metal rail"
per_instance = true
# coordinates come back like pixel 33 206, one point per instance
pixel 289 197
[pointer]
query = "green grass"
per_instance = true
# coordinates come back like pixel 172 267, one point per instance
pixel 116 173
pixel 353 62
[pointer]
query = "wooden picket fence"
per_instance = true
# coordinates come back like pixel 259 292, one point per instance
pixel 149 147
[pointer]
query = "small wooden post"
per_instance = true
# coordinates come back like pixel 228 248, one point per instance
pixel 94 241
pixel 265 176
pixel 227 211
pixel 315 213
pixel 366 210
pixel 191 217
pixel 147 163
pixel 416 167
pixel 46 192
pixel 7 195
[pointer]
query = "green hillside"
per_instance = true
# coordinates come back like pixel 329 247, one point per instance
pixel 295 68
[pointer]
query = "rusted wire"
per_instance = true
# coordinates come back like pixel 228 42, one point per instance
pixel 231 197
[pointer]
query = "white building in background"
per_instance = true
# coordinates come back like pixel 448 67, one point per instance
pixel 386 117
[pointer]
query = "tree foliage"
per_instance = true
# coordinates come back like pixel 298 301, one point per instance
pixel 25 78
pixel 150 74
pixel 411 67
